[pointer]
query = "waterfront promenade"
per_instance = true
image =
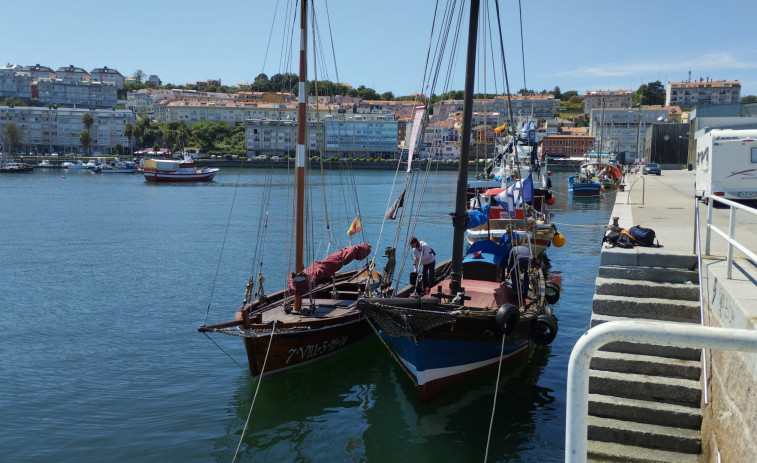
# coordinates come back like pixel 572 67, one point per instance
pixel 666 204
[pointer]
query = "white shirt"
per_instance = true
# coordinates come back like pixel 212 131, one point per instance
pixel 423 253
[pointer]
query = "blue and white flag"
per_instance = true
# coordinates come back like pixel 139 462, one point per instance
pixel 514 195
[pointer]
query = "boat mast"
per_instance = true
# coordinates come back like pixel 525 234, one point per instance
pixel 300 155
pixel 458 220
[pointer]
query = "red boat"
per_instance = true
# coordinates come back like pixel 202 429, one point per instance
pixel 164 170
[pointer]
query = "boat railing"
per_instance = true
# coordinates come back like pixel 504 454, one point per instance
pixel 729 237
pixel 643 188
pixel 653 332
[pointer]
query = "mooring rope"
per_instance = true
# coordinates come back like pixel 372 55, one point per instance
pixel 494 404
pixel 255 396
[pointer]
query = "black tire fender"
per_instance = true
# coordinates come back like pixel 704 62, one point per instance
pixel 543 330
pixel 507 319
pixel 551 292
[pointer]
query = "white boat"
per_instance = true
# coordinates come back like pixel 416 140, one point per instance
pixel 79 165
pixel 116 166
pixel 164 170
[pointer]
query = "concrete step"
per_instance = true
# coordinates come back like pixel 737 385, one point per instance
pixel 646 365
pixel 646 257
pixel 644 411
pixel 684 353
pixel 654 274
pixel 647 307
pixel 677 391
pixel 641 288
pixel 645 435
pixel 598 451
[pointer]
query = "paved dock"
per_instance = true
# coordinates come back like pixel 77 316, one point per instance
pixel 629 286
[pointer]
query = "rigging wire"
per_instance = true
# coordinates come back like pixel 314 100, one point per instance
pixel 494 400
pixel 270 36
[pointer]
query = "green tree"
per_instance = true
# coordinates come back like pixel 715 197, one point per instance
pixel 11 137
pixel 749 99
pixel 575 99
pixel 568 95
pixel 12 101
pixel 87 120
pixel 139 75
pixel 85 139
pixel 129 132
pixel 652 93
pixel 156 149
pixel 119 148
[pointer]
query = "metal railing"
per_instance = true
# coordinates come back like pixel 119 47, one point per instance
pixel 643 188
pixel 729 237
pixel 659 333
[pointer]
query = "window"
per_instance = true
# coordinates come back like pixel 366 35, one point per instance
pixel 754 155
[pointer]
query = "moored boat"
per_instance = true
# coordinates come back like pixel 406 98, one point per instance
pixel 116 166
pixel 165 170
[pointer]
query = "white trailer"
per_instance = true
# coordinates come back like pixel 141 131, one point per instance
pixel 727 164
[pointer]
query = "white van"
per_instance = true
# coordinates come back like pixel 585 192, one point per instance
pixel 727 164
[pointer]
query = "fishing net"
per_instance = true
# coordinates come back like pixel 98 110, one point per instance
pixel 407 322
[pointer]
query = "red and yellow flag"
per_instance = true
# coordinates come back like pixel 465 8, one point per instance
pixel 355 227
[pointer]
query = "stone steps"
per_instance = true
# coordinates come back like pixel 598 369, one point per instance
pixel 644 399
pixel 650 436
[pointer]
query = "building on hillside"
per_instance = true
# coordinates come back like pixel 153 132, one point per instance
pixel 232 113
pixel 105 74
pixel 153 78
pixel 15 83
pixel 521 107
pixel 705 92
pixel 266 97
pixel 72 73
pixel 75 93
pixel 609 99
pixel 40 72
pixel 564 146
pixel 50 130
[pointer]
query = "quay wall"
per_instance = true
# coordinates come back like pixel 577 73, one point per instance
pixel 666 203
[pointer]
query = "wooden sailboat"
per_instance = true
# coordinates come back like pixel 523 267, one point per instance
pixel 316 314
pixel 471 320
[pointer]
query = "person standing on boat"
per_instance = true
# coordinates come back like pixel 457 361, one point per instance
pixel 520 257
pixel 506 241
pixel 423 254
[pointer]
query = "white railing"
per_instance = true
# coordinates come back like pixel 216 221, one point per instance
pixel 643 187
pixel 659 333
pixel 729 237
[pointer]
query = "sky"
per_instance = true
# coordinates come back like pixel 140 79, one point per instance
pixel 576 45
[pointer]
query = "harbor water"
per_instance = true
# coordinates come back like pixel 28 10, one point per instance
pixel 105 279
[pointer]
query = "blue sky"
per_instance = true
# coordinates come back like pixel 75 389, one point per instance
pixel 577 45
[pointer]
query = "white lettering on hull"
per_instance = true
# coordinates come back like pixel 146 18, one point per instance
pixel 314 350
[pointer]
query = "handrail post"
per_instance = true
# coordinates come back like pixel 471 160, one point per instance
pixel 709 224
pixel 731 232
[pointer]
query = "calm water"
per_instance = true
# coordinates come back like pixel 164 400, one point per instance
pixel 104 280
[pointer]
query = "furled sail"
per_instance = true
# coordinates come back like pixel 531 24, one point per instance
pixel 323 269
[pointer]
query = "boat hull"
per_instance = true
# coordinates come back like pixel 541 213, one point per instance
pixel 577 188
pixel 540 239
pixel 295 348
pixel 173 177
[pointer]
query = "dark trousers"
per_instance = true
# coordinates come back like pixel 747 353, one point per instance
pixel 428 274
pixel 522 265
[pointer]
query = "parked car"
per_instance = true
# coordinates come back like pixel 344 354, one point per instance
pixel 652 168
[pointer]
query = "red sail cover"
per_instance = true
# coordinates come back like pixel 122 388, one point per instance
pixel 323 269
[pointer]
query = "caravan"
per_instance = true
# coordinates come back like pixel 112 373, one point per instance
pixel 727 164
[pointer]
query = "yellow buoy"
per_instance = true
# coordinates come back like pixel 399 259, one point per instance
pixel 558 240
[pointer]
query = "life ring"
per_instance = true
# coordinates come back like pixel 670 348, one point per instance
pixel 551 292
pixel 507 319
pixel 543 330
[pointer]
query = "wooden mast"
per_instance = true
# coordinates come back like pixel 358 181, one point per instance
pixel 456 275
pixel 300 155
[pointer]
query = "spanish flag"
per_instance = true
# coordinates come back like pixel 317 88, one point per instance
pixel 355 227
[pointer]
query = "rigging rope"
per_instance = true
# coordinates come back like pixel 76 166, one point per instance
pixel 255 396
pixel 494 401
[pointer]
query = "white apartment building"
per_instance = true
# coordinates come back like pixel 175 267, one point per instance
pixel 612 99
pixel 105 74
pixel 75 93
pixel 619 130
pixel 72 73
pixel 340 134
pixel 48 130
pixel 531 106
pixel 232 113
pixel 703 93
pixel 39 72
pixel 15 83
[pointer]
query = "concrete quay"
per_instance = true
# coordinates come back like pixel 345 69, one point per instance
pixel 658 403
